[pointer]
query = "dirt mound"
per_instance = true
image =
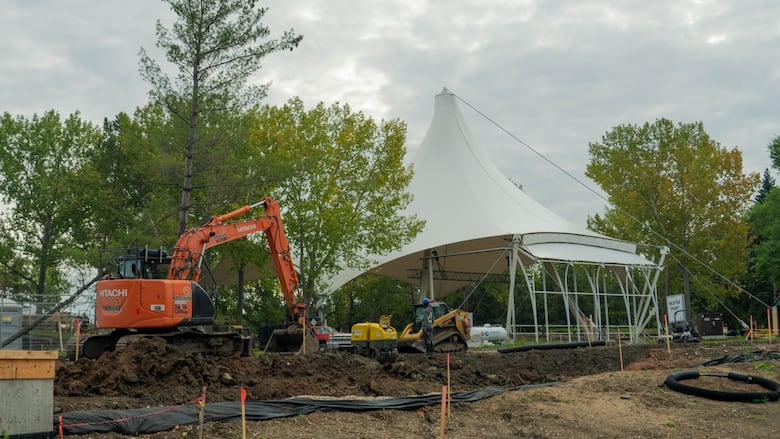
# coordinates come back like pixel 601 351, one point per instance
pixel 152 371
pixel 148 374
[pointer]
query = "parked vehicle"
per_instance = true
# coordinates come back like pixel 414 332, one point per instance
pixel 330 339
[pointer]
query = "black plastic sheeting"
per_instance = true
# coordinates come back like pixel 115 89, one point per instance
pixel 743 358
pixel 533 347
pixel 154 420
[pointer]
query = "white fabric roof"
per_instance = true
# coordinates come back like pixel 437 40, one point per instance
pixel 470 207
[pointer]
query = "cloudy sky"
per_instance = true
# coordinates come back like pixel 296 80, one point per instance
pixel 556 74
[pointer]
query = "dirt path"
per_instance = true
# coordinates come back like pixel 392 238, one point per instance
pixel 593 398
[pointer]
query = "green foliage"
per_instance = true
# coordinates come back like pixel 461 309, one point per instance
pixel 116 187
pixel 765 366
pixel 774 152
pixel 767 184
pixel 764 219
pixel 764 224
pixel 488 302
pixel 241 255
pixel 215 45
pixel 40 178
pixel 674 181
pixel 342 184
pixel 365 299
pixel 263 304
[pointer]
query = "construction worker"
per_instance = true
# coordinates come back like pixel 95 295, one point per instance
pixel 427 325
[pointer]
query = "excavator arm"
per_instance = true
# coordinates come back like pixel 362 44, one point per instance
pixel 192 245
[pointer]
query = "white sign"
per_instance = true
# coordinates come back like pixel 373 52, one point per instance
pixel 675 308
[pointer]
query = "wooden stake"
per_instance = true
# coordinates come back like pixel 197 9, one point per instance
pixel 243 413
pixel 442 419
pixel 59 330
pixel 202 404
pixel 666 334
pixel 449 388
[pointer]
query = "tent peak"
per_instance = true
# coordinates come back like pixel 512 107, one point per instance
pixel 445 91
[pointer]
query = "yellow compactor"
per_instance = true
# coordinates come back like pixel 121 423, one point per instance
pixel 376 340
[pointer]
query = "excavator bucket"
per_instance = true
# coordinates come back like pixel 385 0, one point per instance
pixel 293 339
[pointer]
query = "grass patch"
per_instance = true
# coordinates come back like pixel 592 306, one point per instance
pixel 765 366
pixel 529 396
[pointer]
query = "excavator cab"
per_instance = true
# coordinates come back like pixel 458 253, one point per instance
pixel 439 309
pixel 141 264
pixel 451 330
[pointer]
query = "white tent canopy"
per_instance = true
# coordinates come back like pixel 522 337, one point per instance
pixel 475 216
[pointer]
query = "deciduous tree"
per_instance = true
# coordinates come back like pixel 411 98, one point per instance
pixel 344 185
pixel 764 220
pixel 672 184
pixel 40 160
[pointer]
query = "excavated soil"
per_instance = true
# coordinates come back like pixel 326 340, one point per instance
pixel 593 397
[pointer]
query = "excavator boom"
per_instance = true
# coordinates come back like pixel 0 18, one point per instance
pixel 192 245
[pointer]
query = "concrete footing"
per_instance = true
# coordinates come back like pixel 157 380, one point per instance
pixel 27 393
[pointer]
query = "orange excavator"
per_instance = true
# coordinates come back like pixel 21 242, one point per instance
pixel 156 294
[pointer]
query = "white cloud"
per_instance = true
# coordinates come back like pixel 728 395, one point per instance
pixel 558 74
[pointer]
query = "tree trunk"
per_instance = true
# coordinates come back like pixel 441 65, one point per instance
pixel 687 291
pixel 43 263
pixel 351 312
pixel 667 282
pixel 186 189
pixel 240 298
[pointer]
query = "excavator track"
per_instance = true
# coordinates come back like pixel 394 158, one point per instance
pixel 223 344
pixel 443 342
pixel 450 347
